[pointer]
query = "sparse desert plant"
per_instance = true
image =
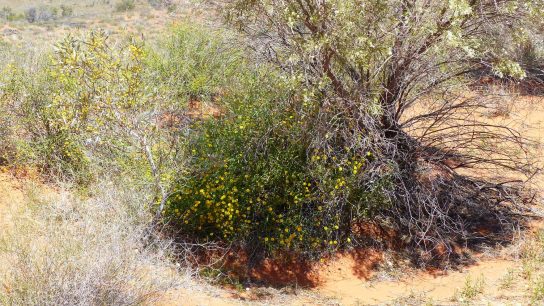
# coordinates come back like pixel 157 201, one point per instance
pixel 160 4
pixel 6 135
pixel 471 289
pixel 537 290
pixel 7 13
pixel 414 299
pixel 31 15
pixel 533 248
pixel 41 14
pixel 157 4
pixel 125 5
pixel 532 273
pixel 66 10
pixel 63 250
pixel 532 256
pixel 501 98
pixel 508 279
pixel 171 8
pixel 7 150
pixel 49 13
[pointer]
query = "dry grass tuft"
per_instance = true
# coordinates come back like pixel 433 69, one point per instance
pixel 68 251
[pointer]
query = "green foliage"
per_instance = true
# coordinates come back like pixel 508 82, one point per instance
pixel 509 68
pixel 192 64
pixel 7 149
pixel 95 82
pixel 248 184
pixel 537 290
pixel 532 255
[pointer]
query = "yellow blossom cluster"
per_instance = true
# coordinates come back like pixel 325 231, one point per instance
pixel 285 208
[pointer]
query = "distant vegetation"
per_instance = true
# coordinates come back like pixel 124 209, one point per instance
pixel 125 5
pixel 8 15
pixel 37 14
pixel 51 11
pixel 159 4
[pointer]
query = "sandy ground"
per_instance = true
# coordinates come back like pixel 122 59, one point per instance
pixel 352 290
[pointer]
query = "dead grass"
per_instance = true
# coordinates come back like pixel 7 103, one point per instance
pixel 61 250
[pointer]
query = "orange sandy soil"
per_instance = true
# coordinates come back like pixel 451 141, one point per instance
pixel 364 277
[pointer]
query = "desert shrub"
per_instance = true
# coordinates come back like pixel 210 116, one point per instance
pixel 125 5
pixel 157 4
pixel 45 141
pixel 522 44
pixel 66 10
pixel 8 14
pixel 7 149
pixel 255 183
pixel 48 13
pixel 253 179
pixel 61 102
pixel 171 8
pixel 31 15
pixel 378 85
pixel 160 4
pixel 192 65
pixel 88 110
pixel 40 14
pixel 25 98
pixel 63 250
pixel 7 138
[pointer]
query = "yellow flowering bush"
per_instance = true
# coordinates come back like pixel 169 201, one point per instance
pixel 256 179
